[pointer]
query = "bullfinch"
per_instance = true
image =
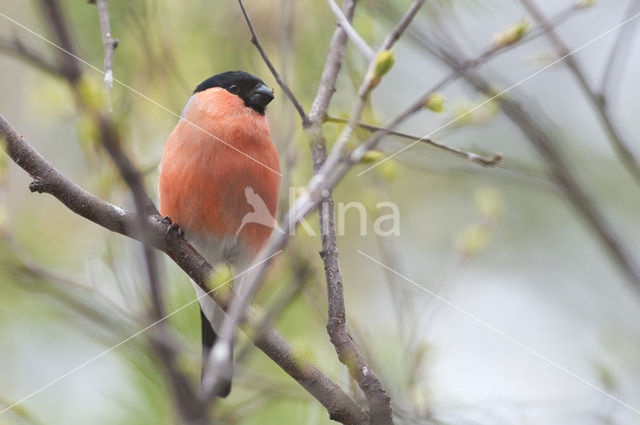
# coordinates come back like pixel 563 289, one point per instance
pixel 219 169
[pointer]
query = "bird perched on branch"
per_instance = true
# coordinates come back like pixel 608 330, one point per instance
pixel 220 152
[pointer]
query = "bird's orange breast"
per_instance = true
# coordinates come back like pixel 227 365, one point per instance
pixel 219 148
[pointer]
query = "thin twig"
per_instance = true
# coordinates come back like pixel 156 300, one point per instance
pixel 189 406
pixel 402 25
pixel 109 45
pixel 353 35
pixel 276 75
pixel 340 407
pixel 18 49
pixel 618 54
pixel 55 19
pixel 289 150
pixel 333 63
pixel 379 401
pixel 486 55
pixel 625 154
pixel 473 157
pixel 293 290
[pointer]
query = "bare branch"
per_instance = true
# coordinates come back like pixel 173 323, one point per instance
pixel 48 179
pixel 618 54
pixel 276 75
pixel 332 65
pixel 402 25
pixel 495 50
pixel 487 54
pixel 369 82
pixel 621 146
pixel 564 178
pixel 379 401
pixel 380 411
pixel 351 32
pixel 278 307
pixel 189 407
pixel 470 156
pixel 18 49
pixel 109 45
pixel 55 18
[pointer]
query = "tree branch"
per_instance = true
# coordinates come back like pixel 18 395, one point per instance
pixel 276 75
pixel 47 179
pixel 618 53
pixel 470 156
pixel 622 148
pixel 317 192
pixel 378 400
pixel 109 44
pixel 55 18
pixel 548 150
pixel 353 35
pixel 402 25
pixel 16 48
pixel 188 406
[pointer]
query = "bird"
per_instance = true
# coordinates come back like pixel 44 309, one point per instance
pixel 218 161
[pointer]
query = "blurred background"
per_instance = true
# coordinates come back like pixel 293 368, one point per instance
pixel 542 313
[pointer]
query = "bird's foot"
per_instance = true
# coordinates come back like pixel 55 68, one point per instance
pixel 172 227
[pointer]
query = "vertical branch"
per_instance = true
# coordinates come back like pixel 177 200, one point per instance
pixel 276 75
pixel 379 402
pixel 286 47
pixel 109 44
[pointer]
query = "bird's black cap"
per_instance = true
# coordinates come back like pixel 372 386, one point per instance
pixel 249 88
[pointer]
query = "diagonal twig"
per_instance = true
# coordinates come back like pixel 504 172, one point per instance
pixel 625 154
pixel 54 17
pixel 345 23
pixel 15 46
pixel 470 156
pixel 276 75
pixel 619 54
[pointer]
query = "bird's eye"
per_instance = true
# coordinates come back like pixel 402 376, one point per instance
pixel 232 87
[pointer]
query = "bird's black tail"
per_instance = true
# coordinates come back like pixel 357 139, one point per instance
pixel 209 337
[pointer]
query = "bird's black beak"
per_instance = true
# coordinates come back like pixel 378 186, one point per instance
pixel 260 97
